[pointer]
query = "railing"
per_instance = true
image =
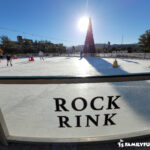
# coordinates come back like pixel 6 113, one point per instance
pixel 71 80
pixel 101 54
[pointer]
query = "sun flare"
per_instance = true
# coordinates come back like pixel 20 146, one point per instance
pixel 83 23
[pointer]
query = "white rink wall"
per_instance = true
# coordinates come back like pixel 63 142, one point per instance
pixel 29 110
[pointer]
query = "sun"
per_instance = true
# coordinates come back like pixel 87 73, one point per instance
pixel 83 24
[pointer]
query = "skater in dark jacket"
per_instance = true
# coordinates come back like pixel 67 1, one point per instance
pixel 9 59
pixel 1 56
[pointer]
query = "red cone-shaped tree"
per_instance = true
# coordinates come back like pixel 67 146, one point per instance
pixel 89 46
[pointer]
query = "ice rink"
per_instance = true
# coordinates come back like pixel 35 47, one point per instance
pixel 73 66
pixel 29 110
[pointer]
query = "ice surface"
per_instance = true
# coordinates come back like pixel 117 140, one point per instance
pixel 73 66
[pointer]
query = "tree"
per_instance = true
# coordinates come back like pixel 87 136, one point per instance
pixel 5 40
pixel 8 45
pixel 144 41
pixel 29 46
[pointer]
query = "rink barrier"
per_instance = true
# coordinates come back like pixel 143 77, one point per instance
pixel 72 80
pixel 3 130
pixel 5 137
pixel 113 54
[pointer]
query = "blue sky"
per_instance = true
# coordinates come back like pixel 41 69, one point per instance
pixel 56 20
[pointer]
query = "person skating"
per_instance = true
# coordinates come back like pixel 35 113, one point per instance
pixel 81 54
pixel 9 59
pixel 41 55
pixel 1 57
